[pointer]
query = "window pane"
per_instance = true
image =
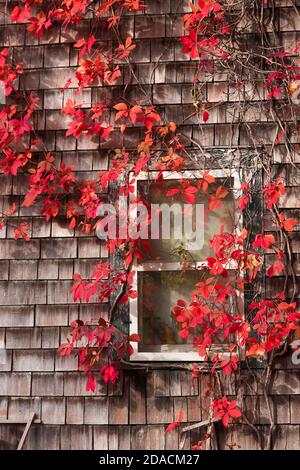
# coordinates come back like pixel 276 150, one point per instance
pixel 158 294
pixel 193 243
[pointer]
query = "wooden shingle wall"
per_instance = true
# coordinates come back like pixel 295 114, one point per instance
pixel 35 276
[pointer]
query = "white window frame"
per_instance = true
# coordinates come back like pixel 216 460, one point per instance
pixel 177 356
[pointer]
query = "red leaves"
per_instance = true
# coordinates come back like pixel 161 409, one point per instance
pixel 170 127
pixel 77 126
pixel 206 20
pixel 65 349
pixel 20 15
pixel 229 365
pixel 110 373
pixel 209 315
pixel 50 208
pixel 216 266
pixel 119 163
pixel 8 72
pixel 38 25
pixel 274 92
pixel 111 75
pixel 141 163
pixel 273 322
pixel 70 108
pixel 192 315
pixel 224 410
pixel 205 181
pixel 215 202
pixel 198 446
pixel 123 112
pixel 12 162
pixel 22 231
pixel 92 69
pixel 46 178
pixel 113 21
pixel 100 284
pixel 287 224
pixel 245 198
pixel 135 5
pixel 186 190
pixel 103 343
pixel 176 423
pixel 77 288
pixel 101 128
pixel 243 202
pixel 206 316
pixel 275 269
pixel 190 44
pixel 272 193
pixel 151 117
pixel 125 49
pixel 146 116
pixel 19 127
pixel 189 194
pixel 263 241
pixel 98 109
pixel 255 350
pixel 84 45
pixel 86 122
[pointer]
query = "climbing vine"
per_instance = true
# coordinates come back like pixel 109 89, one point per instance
pixel 264 83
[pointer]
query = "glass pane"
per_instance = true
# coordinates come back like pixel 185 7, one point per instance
pixel 158 294
pixel 200 226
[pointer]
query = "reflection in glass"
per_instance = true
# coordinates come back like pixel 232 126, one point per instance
pixel 169 249
pixel 159 292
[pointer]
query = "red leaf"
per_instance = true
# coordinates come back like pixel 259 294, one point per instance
pixel 171 426
pixel 205 116
pixel 72 224
pixel 191 189
pixel 276 268
pixel 11 210
pixel 190 198
pixel 110 373
pixel 172 192
pixel 235 413
pixel 135 338
pixel 243 202
pixel 120 106
pixel 91 383
pixel 289 224
pixel 225 420
pixel 221 192
pixel 125 49
pixel 279 138
pixel 65 349
pixel 176 423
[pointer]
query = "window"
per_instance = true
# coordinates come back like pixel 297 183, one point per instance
pixel 160 280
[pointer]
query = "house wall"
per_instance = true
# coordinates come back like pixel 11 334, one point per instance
pixel 36 275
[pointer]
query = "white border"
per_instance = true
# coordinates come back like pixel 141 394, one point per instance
pixel 171 356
